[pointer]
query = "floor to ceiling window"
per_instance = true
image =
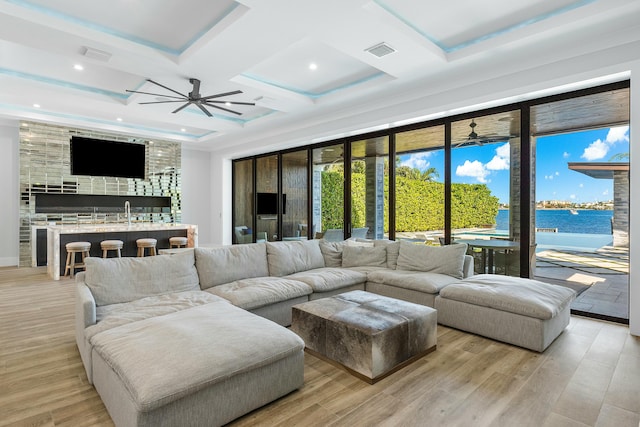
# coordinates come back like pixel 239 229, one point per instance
pixel 370 188
pixel 485 202
pixel 419 176
pixel 267 198
pixel 295 195
pixel 328 192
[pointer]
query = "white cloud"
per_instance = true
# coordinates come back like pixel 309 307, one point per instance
pixel 418 160
pixel 566 155
pixel 557 173
pixel 473 169
pixel 548 177
pixel 605 193
pixel 618 134
pixel 581 185
pixel 501 160
pixel 596 150
pixel 573 196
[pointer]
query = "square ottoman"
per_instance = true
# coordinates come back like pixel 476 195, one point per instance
pixel 370 335
pixel 524 312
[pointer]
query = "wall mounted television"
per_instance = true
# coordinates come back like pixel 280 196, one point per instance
pixel 268 204
pixel 99 157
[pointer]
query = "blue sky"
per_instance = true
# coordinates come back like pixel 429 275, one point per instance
pixel 489 164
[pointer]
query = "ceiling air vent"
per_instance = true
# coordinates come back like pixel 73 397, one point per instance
pixel 96 54
pixel 380 50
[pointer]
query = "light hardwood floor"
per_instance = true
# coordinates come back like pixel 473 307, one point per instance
pixel 589 376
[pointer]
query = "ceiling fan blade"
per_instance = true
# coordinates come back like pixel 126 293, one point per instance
pixel 231 102
pixel 223 109
pixel 204 110
pixel 180 108
pixel 155 94
pixel 161 102
pixel 167 88
pixel 219 95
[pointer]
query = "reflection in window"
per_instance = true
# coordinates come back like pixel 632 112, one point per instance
pixel 294 190
pixel 243 201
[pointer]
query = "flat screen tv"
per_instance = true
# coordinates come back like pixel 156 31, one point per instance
pixel 268 204
pixel 99 157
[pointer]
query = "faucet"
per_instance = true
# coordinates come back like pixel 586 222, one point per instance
pixel 127 211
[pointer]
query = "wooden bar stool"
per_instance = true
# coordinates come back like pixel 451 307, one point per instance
pixel 177 242
pixel 146 243
pixel 74 248
pixel 111 245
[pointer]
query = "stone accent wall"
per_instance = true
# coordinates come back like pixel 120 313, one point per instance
pixel 374 203
pixel 620 223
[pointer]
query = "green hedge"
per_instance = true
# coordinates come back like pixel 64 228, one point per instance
pixel 419 203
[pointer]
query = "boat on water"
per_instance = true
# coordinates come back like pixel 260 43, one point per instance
pixel 573 211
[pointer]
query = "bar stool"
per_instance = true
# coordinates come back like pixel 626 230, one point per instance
pixel 177 242
pixel 74 248
pixel 111 245
pixel 146 243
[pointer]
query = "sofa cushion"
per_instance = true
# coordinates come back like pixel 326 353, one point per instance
pixel 260 291
pixel 329 279
pixel 526 297
pixel 427 282
pixel 435 259
pixel 226 264
pixel 165 358
pixel 117 280
pixel 360 256
pixel 332 252
pixel 286 258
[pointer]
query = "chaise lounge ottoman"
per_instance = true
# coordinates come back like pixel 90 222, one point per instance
pixel 523 312
pixel 203 366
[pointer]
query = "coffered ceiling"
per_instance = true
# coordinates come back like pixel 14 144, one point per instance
pixel 302 63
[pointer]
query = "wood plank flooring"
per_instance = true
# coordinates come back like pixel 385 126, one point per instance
pixel 589 377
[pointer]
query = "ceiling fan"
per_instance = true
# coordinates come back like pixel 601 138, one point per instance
pixel 475 139
pixel 194 98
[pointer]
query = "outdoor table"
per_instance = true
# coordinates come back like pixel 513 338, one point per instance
pixel 488 246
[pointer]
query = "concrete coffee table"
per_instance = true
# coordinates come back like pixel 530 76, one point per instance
pixel 370 335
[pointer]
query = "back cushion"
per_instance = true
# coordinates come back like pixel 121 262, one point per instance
pixel 291 257
pixel 116 280
pixel 364 256
pixel 226 264
pixel 447 260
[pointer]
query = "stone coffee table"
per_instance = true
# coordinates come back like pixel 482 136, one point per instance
pixel 370 335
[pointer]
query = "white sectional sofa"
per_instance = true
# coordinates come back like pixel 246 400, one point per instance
pixel 196 338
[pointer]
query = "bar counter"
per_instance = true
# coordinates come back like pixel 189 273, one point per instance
pixel 59 235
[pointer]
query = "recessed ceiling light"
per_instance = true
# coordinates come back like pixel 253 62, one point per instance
pixel 119 119
pixel 183 130
pixel 36 105
pixel 228 104
pixel 78 67
pixel 313 66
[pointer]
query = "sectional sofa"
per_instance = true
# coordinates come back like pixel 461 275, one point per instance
pixel 196 338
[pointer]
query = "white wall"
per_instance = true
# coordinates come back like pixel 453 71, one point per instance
pixel 634 205
pixel 221 199
pixel 9 193
pixel 196 191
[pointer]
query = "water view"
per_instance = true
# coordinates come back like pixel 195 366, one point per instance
pixel 583 222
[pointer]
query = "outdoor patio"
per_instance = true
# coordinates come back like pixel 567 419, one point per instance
pixel 601 279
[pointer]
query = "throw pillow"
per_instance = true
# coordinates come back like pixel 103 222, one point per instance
pixel 286 258
pixel 116 280
pixel 332 253
pixel 447 260
pixel 393 248
pixel 361 256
